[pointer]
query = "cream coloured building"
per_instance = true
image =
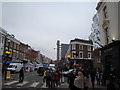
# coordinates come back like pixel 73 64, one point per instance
pixel 3 34
pixel 108 21
pixel 109 26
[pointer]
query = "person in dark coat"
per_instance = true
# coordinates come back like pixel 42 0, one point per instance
pixel 21 75
pixel 48 78
pixel 53 79
pixel 93 74
pixel 71 79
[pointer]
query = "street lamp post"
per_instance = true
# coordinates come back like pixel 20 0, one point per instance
pixel 68 60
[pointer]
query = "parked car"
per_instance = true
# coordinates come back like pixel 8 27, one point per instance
pixel 40 71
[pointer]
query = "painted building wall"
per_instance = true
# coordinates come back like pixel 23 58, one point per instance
pixel 119 19
pixel 112 24
pixel 2 40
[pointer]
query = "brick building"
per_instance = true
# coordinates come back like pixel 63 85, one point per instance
pixel 80 52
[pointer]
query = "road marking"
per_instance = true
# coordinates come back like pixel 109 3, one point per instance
pixel 9 83
pixel 21 84
pixel 44 85
pixel 34 84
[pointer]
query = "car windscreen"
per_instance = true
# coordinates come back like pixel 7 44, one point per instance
pixel 11 66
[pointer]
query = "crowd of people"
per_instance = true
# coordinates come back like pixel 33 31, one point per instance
pixel 52 78
pixel 78 81
pixel 82 80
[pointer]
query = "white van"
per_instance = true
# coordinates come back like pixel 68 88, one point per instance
pixel 15 67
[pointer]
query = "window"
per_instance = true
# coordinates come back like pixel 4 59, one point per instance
pixel 106 36
pixel 89 48
pixel 14 45
pixel 10 52
pixel 73 54
pixel 11 44
pixel 89 55
pixel 6 49
pixel 6 42
pixel 14 54
pixel 17 54
pixel 105 12
pixel 81 47
pixel 81 54
pixel 3 38
pixel 17 46
pixel 73 47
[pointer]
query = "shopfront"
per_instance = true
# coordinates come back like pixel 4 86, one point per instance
pixel 110 57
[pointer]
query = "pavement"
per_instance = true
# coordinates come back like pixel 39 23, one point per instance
pixel 66 85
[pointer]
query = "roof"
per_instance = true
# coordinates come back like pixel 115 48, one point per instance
pixel 83 41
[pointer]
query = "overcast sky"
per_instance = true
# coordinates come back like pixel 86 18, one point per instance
pixel 41 24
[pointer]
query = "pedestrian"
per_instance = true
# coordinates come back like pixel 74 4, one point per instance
pixel 48 78
pixel 93 74
pixel 79 81
pixel 104 77
pixel 4 69
pixel 71 79
pixel 98 78
pixel 21 75
pixel 44 76
pixel 101 76
pixel 52 79
pixel 57 78
pixel 86 81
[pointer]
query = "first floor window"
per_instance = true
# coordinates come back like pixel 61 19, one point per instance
pixel 73 54
pixel 106 35
pixel 73 46
pixel 81 54
pixel 89 55
pixel 89 48
pixel 81 47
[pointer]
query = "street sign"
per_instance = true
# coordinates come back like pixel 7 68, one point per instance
pixel 9 62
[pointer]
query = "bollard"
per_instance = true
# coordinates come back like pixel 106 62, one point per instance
pixel 8 75
pixel 63 79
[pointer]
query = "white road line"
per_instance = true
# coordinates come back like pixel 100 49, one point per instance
pixel 21 84
pixel 9 83
pixel 34 84
pixel 44 85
